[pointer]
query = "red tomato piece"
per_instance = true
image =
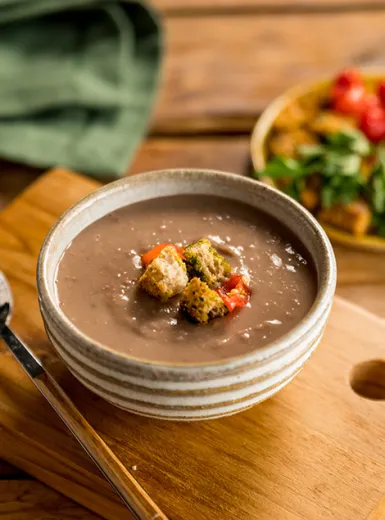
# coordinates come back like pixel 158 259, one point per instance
pixel 370 101
pixel 348 78
pixel 352 101
pixel 234 292
pixel 372 124
pixel 381 92
pixel 148 257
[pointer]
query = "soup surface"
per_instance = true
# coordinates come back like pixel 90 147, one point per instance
pixel 97 279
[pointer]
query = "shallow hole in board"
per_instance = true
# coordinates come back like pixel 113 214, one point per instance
pixel 367 379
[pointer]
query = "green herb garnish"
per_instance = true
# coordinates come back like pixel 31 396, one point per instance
pixel 375 191
pixel 340 189
pixel 337 162
pixel 379 224
pixel 294 188
pixel 351 141
pixel 283 167
pixel 377 183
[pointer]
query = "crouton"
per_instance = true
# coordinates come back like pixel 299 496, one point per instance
pixel 166 276
pixel 204 262
pixel 367 165
pixel 200 303
pixel 355 217
pixel 328 122
pixel 310 196
pixel 291 117
pixel 286 143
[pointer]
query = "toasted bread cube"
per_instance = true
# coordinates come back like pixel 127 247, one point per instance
pixel 204 262
pixel 286 143
pixel 310 196
pixel 367 165
pixel 200 303
pixel 355 217
pixel 291 117
pixel 166 276
pixel 328 122
pixel 299 112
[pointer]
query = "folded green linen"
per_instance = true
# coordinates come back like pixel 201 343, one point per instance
pixel 77 82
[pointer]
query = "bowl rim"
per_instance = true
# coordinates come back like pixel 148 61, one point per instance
pixel 263 126
pixel 323 299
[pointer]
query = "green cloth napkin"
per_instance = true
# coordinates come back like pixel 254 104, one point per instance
pixel 77 82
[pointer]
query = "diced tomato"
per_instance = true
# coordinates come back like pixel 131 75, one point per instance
pixel 349 95
pixel 372 124
pixel 345 81
pixel 348 78
pixel 370 101
pixel 234 292
pixel 148 257
pixel 352 101
pixel 381 92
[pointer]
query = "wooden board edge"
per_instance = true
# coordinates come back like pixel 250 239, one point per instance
pixel 84 488
pixel 378 320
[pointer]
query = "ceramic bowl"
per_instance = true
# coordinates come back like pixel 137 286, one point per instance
pixel 183 391
pixel 262 131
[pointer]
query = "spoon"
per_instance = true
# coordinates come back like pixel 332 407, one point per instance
pixel 132 494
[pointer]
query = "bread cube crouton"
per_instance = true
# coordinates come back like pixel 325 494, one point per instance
pixel 204 262
pixel 367 165
pixel 355 217
pixel 328 122
pixel 166 276
pixel 286 143
pixel 291 117
pixel 310 197
pixel 200 303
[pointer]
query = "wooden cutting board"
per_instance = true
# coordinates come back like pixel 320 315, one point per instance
pixel 313 452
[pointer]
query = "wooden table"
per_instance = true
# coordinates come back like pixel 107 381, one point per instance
pixel 225 60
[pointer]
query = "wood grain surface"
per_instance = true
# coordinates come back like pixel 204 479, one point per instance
pixel 368 296
pixel 225 60
pixel 9 472
pixel 271 462
pixel 226 153
pixel 190 7
pixel 378 512
pixel 22 500
pixel 13 179
pixel 221 70
pixel 135 498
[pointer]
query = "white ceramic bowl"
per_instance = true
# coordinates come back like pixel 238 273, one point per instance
pixel 184 391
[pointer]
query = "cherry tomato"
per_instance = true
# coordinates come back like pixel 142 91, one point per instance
pixel 234 292
pixel 381 92
pixel 348 79
pixel 372 124
pixel 148 257
pixel 351 101
pixel 370 101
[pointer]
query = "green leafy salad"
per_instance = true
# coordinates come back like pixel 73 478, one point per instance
pixel 341 180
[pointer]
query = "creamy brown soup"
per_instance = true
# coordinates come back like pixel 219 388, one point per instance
pixel 97 279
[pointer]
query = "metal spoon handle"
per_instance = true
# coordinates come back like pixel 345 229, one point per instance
pixel 133 495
